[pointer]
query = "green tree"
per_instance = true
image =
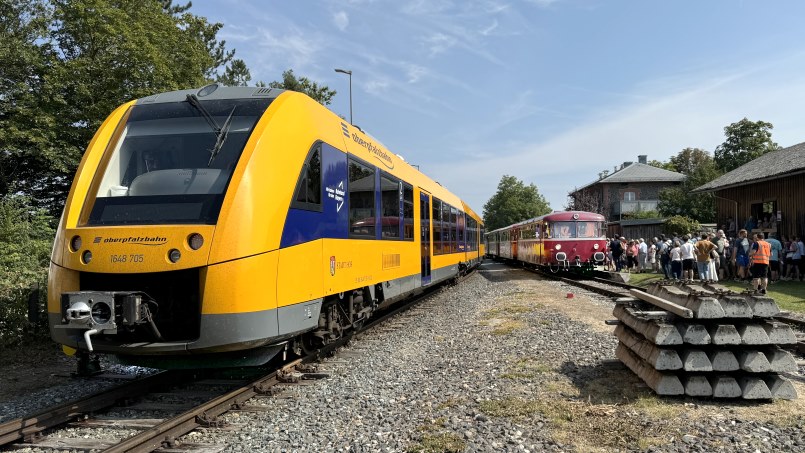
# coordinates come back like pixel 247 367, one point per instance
pixel 680 225
pixel 321 94
pixel 72 62
pixel 512 203
pixel 746 141
pixel 699 168
pixel 26 239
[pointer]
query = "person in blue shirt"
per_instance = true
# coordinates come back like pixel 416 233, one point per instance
pixel 776 253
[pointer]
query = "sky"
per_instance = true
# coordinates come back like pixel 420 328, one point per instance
pixel 550 91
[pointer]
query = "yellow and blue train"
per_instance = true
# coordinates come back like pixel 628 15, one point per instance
pixel 222 225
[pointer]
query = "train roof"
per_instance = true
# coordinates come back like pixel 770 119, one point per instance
pixel 558 216
pixel 359 142
pixel 213 92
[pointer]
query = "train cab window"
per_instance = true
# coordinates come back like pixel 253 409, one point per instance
pixel 563 230
pixel 408 212
pixel 437 226
pixel 361 199
pixel 390 196
pixel 308 189
pixel 158 169
pixel 589 230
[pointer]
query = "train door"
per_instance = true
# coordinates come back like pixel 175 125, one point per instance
pixel 515 237
pixel 424 215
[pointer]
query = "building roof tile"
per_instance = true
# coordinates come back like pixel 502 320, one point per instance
pixel 771 165
pixel 637 172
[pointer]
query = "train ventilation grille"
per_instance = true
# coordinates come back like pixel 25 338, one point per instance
pixel 149 99
pixel 262 92
pixel 391 261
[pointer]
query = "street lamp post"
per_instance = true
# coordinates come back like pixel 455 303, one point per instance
pixel 349 73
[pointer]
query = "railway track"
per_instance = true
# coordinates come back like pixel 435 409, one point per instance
pixel 182 411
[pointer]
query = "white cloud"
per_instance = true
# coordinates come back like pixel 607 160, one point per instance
pixel 488 30
pixel 341 20
pixel 296 49
pixel 438 43
pixel 415 73
pixel 376 86
pixel 659 124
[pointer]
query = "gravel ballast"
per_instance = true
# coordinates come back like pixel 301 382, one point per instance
pixel 503 361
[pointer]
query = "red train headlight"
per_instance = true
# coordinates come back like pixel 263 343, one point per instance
pixel 558 246
pixel 595 246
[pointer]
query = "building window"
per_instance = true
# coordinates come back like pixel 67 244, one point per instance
pixel 629 196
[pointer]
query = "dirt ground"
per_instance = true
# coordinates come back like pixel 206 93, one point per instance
pixel 31 367
pixel 581 307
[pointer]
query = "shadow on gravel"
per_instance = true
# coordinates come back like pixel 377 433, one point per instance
pixel 497 272
pixel 607 382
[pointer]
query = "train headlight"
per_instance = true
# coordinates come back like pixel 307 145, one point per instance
pixel 101 313
pixel 558 246
pixel 75 243
pixel 86 257
pixel 195 241
pixel 174 255
pixel 595 246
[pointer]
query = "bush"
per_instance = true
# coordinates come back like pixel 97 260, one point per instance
pixel 26 238
pixel 680 225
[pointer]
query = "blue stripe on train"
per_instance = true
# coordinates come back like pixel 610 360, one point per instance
pixel 333 221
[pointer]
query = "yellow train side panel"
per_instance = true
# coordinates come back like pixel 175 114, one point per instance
pixel 357 263
pixel 240 286
pixel 60 280
pixel 299 278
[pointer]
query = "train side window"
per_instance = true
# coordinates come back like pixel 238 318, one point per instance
pixel 308 187
pixel 454 229
pixel 390 201
pixel 361 199
pixel 437 226
pixel 447 245
pixel 408 212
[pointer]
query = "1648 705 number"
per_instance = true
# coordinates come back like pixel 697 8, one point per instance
pixel 132 258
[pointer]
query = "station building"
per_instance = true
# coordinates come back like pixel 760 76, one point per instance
pixel 626 195
pixel 771 187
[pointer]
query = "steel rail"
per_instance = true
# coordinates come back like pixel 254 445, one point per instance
pixel 29 427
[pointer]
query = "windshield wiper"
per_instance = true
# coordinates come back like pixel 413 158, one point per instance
pixel 221 132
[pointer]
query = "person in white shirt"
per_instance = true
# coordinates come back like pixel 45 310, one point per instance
pixel 676 261
pixel 688 260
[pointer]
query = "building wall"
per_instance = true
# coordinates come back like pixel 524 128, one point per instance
pixel 788 193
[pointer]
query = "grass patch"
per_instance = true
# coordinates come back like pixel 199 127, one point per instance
pixel 439 443
pixel 526 368
pixel 451 402
pixel 510 407
pixel 507 327
pixel 790 296
pixel 644 279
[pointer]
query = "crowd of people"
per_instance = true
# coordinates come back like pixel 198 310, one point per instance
pixel 755 257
